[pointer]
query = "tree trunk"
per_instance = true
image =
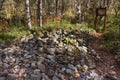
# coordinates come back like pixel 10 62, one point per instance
pixel 84 8
pixel 28 14
pixel 56 7
pixel 78 10
pixel 63 7
pixel 48 7
pixel 1 4
pixel 39 13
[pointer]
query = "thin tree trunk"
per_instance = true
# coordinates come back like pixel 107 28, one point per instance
pixel 78 10
pixel 28 14
pixel 1 4
pixel 84 8
pixel 56 7
pixel 39 13
pixel 48 7
pixel 63 7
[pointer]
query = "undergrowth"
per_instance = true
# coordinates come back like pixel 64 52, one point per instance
pixel 13 33
pixel 112 36
pixel 16 32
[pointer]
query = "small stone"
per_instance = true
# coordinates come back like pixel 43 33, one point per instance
pixel 33 64
pixel 44 77
pixel 36 71
pixel 4 73
pixel 5 66
pixel 12 77
pixel 60 76
pixel 51 63
pixel 24 39
pixel 60 50
pixel 51 73
pixel 90 64
pixel 63 69
pixel 51 50
pixel 69 71
pixel 82 76
pixel 28 56
pixel 77 74
pixel 55 78
pixel 50 57
pixel 83 49
pixel 70 66
pixel 78 66
pixel 41 67
pixel 112 75
pixel 2 78
pixel 11 50
pixel 41 49
pixel 16 69
pixel 84 68
pixel 34 77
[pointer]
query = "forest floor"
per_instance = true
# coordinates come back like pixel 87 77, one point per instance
pixel 107 63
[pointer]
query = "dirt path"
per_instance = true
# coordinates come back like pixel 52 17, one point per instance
pixel 107 62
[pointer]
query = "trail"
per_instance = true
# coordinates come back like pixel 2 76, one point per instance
pixel 107 62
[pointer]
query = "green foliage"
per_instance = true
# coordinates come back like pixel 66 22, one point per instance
pixel 51 26
pixel 112 36
pixel 14 33
pixel 8 9
pixel 113 29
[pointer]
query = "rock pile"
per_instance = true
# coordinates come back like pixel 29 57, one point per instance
pixel 60 55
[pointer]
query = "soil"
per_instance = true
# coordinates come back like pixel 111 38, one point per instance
pixel 108 61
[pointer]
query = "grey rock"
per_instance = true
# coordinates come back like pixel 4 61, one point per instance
pixel 51 63
pixel 44 76
pixel 4 73
pixel 69 71
pixel 12 76
pixel 5 66
pixel 35 77
pixel 2 78
pixel 51 73
pixel 112 75
pixel 50 57
pixel 24 39
pixel 60 76
pixel 83 49
pixel 33 64
pixel 55 78
pixel 63 69
pixel 82 62
pixel 82 77
pixel 28 56
pixel 37 71
pixel 90 64
pixel 42 67
pixel 51 50
pixel 78 66
pixel 70 66
pixel 16 69
pixel 90 75
pixel 60 50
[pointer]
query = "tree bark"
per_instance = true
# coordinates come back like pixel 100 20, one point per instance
pixel 56 7
pixel 78 10
pixel 63 7
pixel 1 4
pixel 48 7
pixel 28 14
pixel 39 13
